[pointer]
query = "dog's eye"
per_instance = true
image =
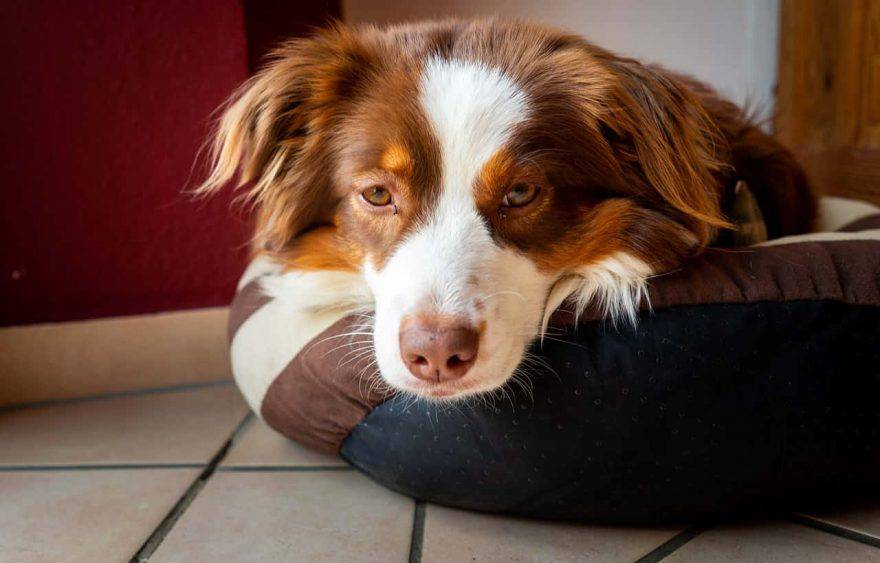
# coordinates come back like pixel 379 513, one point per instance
pixel 377 195
pixel 521 195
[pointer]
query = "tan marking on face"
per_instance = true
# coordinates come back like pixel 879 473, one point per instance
pixel 397 159
pixel 614 225
pixel 376 230
pixel 598 233
pixel 321 249
pixel 495 175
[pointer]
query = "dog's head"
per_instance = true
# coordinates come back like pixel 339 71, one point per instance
pixel 475 175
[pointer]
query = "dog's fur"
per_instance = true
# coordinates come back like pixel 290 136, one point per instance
pixel 631 167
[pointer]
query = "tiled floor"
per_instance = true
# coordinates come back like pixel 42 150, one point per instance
pixel 187 475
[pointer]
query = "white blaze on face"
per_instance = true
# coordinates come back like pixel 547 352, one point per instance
pixel 473 109
pixel 451 265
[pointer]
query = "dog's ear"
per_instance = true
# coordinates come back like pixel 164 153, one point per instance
pixel 272 136
pixel 660 130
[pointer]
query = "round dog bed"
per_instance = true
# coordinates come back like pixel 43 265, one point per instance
pixel 751 380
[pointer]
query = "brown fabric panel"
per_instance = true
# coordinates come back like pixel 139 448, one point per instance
pixel 246 303
pixel 847 271
pixel 324 391
pixel 864 224
pixel 839 270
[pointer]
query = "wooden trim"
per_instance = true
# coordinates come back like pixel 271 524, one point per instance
pixel 75 359
pixel 828 103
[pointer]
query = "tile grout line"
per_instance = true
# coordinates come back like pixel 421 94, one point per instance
pixel 142 466
pixel 834 529
pixel 665 549
pixel 99 467
pixel 282 468
pixel 418 532
pixel 158 535
pixel 118 395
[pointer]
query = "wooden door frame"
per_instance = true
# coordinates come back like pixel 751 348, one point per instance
pixel 828 95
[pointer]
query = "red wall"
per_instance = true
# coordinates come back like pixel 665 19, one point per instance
pixel 105 105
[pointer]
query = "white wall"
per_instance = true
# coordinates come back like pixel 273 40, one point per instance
pixel 731 44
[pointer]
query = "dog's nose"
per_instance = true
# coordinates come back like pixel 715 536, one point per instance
pixel 438 348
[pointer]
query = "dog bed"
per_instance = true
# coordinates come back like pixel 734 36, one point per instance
pixel 752 381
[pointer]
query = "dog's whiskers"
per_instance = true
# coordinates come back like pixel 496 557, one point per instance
pixel 359 343
pixel 355 356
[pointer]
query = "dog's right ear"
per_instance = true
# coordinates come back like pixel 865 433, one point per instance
pixel 272 136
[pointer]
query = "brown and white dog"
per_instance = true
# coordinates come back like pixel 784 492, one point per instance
pixel 463 179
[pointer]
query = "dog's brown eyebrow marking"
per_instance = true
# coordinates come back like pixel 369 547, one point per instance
pixel 497 169
pixel 397 159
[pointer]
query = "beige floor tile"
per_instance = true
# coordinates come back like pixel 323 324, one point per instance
pixel 772 541
pixel 864 520
pixel 92 515
pixel 260 446
pixel 455 535
pixel 179 427
pixel 291 516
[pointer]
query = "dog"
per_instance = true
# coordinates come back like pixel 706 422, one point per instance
pixel 463 179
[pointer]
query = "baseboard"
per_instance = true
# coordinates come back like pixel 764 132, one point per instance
pixel 82 358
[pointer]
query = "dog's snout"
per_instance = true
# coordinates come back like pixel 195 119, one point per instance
pixel 438 348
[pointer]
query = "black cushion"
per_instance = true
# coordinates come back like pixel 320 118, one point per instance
pixel 701 410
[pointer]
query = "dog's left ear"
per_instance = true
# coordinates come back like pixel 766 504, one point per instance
pixel 662 132
pixel 272 136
